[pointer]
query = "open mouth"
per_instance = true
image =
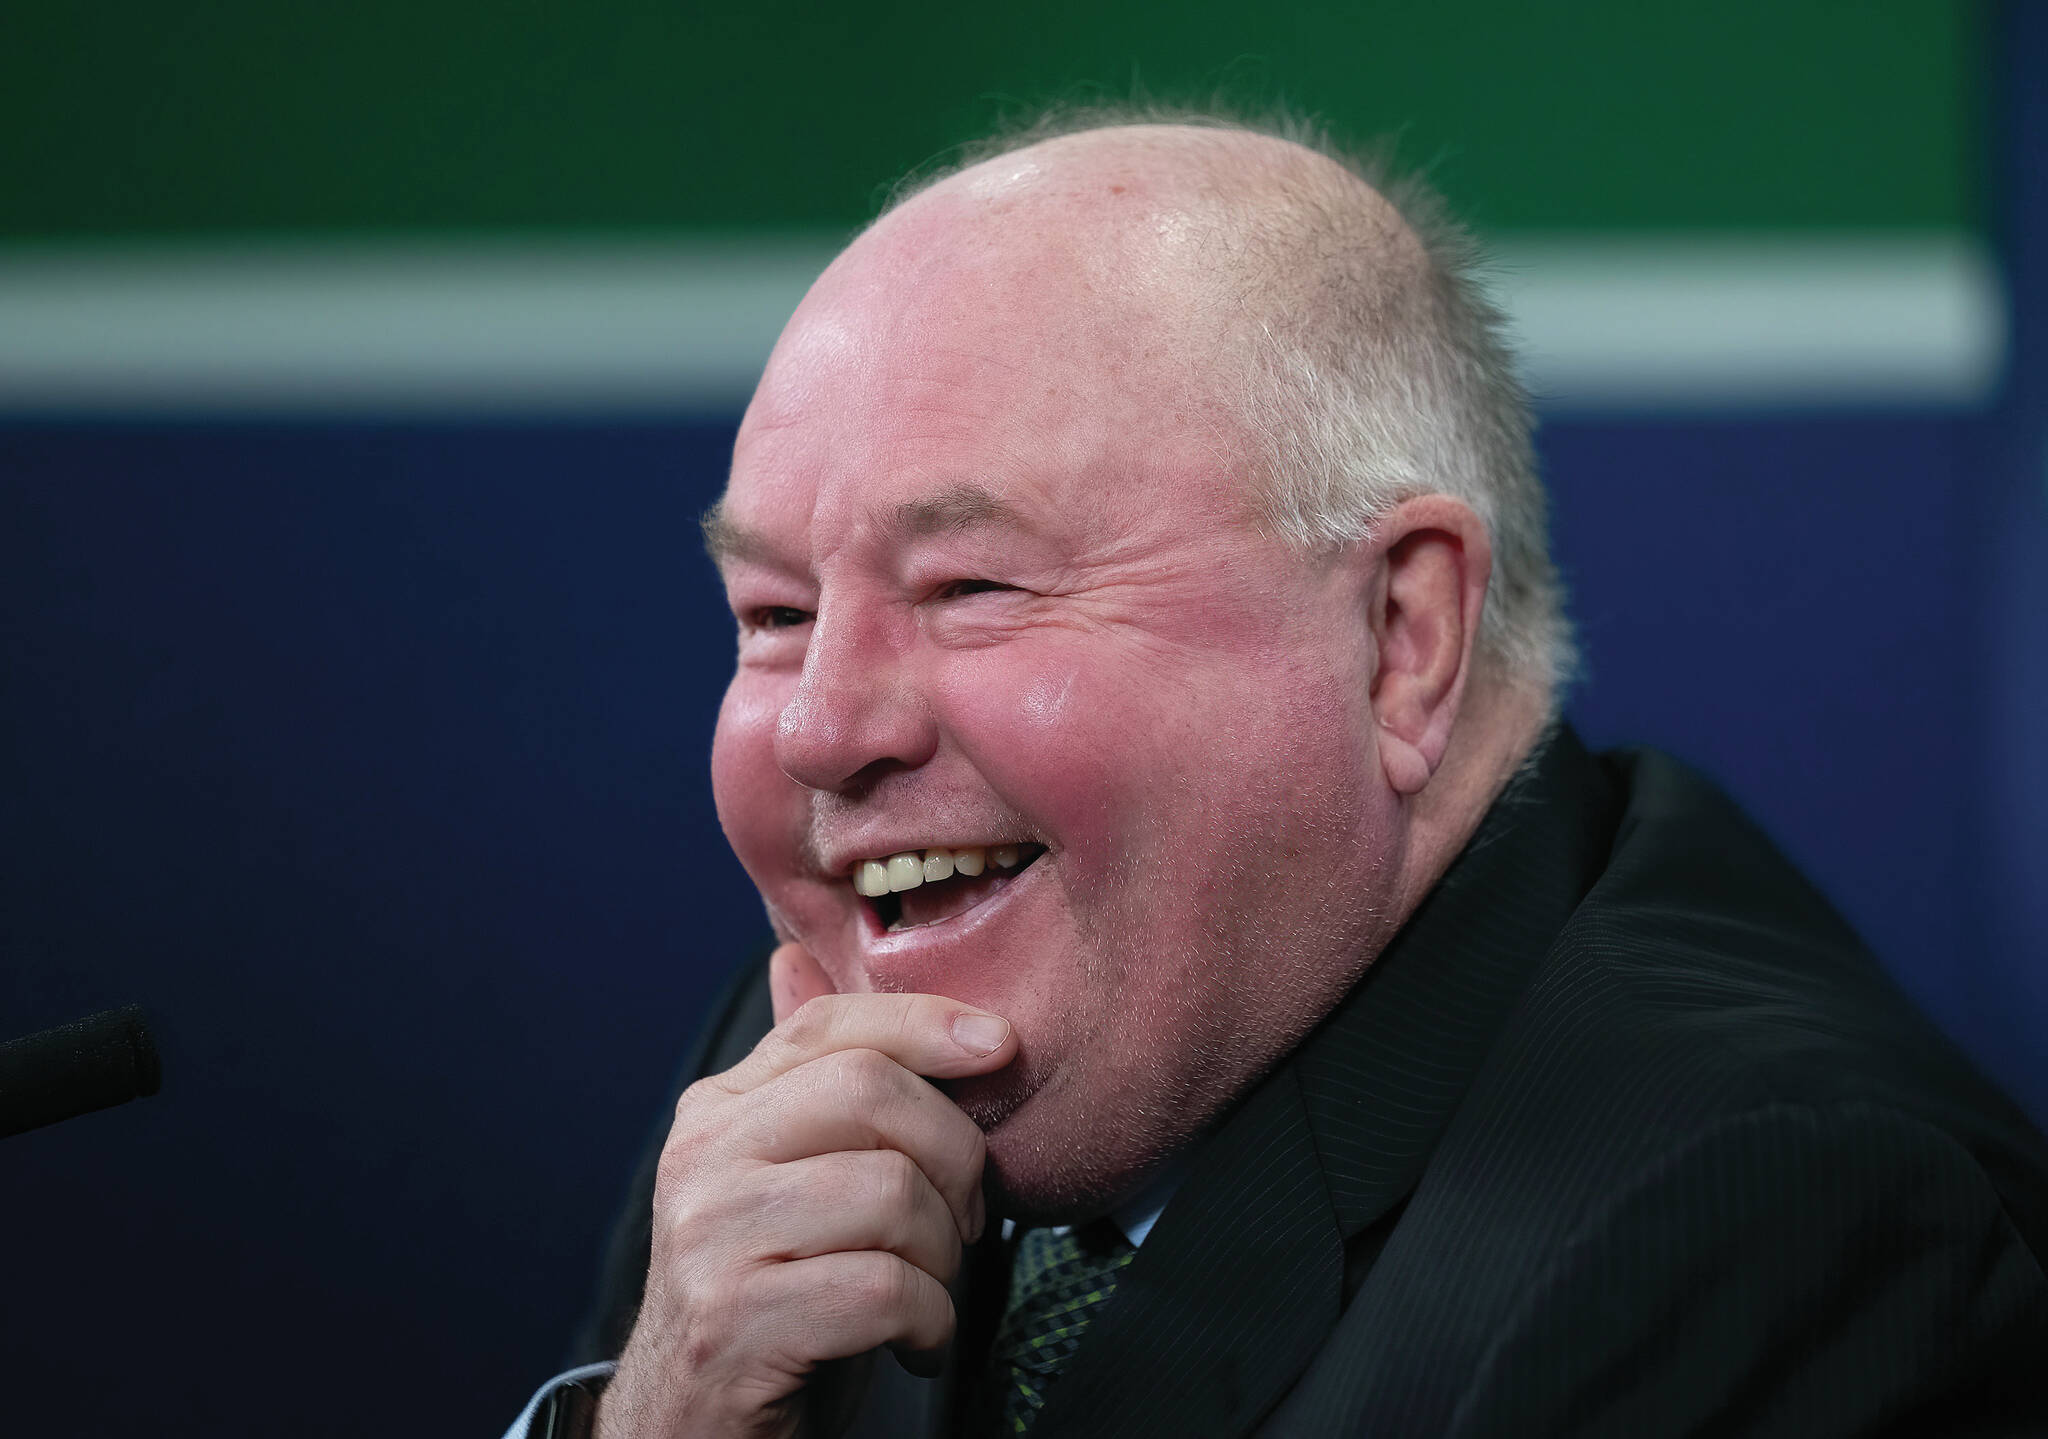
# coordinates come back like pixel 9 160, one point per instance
pixel 929 886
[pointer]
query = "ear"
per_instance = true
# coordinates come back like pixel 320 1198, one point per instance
pixel 1430 585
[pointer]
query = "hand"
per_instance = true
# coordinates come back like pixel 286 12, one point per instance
pixel 810 1205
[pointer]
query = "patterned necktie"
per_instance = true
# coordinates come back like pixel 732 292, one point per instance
pixel 1058 1282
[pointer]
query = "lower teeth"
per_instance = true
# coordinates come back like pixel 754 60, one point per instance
pixel 950 898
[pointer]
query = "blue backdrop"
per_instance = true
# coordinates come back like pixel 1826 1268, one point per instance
pixel 373 761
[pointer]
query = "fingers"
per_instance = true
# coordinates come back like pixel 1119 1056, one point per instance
pixel 793 977
pixel 850 1302
pixel 858 1100
pixel 878 1200
pixel 925 1033
pixel 811 1202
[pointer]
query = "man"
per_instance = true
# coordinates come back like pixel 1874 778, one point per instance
pixel 1143 738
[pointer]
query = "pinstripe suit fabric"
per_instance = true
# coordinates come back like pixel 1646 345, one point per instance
pixel 1624 1134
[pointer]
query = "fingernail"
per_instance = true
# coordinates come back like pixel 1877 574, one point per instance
pixel 980 1033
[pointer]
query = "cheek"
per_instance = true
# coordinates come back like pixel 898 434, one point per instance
pixel 1020 711
pixel 1188 773
pixel 1071 746
pixel 745 778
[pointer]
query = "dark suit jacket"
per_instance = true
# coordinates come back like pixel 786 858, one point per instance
pixel 1624 1134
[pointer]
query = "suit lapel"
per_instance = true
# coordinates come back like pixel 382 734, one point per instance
pixel 1242 1280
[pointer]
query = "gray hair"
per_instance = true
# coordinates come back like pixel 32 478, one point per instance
pixel 1361 395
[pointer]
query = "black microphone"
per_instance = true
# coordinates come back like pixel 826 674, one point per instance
pixel 93 1063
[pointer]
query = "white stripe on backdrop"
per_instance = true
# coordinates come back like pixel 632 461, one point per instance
pixel 505 327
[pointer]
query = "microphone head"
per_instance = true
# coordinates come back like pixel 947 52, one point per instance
pixel 93 1063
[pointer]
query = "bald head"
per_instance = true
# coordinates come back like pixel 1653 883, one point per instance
pixel 1223 202
pixel 1324 313
pixel 1312 316
pixel 1202 245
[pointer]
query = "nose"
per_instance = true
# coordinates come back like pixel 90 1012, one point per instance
pixel 856 713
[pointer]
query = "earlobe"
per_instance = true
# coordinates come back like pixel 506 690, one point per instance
pixel 1406 767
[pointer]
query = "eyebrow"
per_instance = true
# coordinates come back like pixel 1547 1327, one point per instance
pixel 725 540
pixel 954 509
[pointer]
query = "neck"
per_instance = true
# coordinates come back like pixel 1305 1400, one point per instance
pixel 1500 723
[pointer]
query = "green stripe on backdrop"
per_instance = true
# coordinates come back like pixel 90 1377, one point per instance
pixel 503 327
pixel 140 117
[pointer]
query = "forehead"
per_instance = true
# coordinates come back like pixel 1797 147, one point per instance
pixel 1042 366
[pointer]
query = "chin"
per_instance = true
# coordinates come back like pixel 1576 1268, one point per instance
pixel 1047 1165
pixel 1071 1187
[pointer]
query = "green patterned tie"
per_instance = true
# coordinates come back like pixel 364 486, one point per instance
pixel 1058 1281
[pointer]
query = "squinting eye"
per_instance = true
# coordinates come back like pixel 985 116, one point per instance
pixel 953 589
pixel 777 617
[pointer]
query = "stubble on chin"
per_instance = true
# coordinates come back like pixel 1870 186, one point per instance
pixel 1067 1144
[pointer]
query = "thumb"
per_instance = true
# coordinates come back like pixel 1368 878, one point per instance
pixel 793 977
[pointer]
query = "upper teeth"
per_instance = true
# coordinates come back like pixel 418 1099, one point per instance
pixel 912 868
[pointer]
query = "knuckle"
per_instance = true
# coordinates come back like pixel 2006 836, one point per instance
pixel 809 1025
pixel 682 1224
pixel 691 1146
pixel 713 1089
pixel 868 1066
pixel 881 1282
pixel 894 1181
pixel 701 1216
pixel 866 1078
pixel 672 1174
pixel 716 1310
pixel 695 1102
